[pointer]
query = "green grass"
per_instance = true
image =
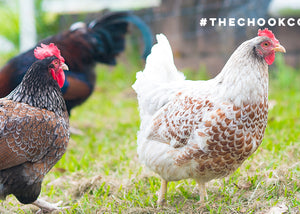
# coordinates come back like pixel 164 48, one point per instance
pixel 100 172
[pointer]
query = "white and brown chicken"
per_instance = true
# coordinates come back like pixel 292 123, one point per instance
pixel 203 129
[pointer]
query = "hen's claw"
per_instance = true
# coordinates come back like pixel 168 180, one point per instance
pixel 46 207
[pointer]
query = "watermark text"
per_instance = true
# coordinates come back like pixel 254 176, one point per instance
pixel 232 22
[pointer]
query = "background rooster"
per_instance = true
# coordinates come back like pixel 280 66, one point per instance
pixel 82 47
pixel 34 128
pixel 203 129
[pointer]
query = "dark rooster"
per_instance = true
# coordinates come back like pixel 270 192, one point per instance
pixel 34 128
pixel 82 47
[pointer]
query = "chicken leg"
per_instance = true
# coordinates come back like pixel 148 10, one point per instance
pixel 162 192
pixel 202 191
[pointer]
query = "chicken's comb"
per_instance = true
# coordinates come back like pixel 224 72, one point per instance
pixel 47 51
pixel 266 32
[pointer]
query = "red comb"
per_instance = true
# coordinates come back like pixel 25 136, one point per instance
pixel 266 32
pixel 47 51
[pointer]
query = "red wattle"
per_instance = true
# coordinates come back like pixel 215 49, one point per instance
pixel 60 78
pixel 270 58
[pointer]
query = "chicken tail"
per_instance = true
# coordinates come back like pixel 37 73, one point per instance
pixel 109 33
pixel 152 84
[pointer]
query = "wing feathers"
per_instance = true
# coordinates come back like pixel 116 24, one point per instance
pixel 26 133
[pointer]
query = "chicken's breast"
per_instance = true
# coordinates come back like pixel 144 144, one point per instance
pixel 29 134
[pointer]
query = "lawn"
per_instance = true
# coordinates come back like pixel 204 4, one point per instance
pixel 100 172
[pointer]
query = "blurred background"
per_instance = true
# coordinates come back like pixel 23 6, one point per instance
pixel 24 22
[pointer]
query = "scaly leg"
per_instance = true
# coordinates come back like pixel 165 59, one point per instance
pixel 48 207
pixel 202 191
pixel 162 192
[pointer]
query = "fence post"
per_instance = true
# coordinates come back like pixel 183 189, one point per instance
pixel 27 25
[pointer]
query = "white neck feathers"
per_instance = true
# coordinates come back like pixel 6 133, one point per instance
pixel 244 78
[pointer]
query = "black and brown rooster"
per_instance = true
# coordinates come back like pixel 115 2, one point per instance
pixel 82 46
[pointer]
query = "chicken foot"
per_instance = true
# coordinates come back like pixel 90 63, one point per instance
pixel 46 207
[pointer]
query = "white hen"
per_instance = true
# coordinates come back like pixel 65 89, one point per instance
pixel 203 129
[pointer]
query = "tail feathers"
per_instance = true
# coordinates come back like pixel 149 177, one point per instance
pixel 159 69
pixel 160 63
pixel 152 85
pixel 109 32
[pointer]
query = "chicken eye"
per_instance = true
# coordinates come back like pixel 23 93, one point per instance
pixel 55 63
pixel 266 44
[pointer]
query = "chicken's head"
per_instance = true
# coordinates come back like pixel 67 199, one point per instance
pixel 57 66
pixel 268 45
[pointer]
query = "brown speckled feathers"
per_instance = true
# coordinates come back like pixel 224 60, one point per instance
pixel 28 134
pixel 232 133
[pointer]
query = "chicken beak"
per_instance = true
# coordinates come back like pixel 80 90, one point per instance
pixel 64 67
pixel 279 48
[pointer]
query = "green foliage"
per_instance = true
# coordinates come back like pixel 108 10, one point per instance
pixel 9 22
pixel 289 12
pixel 46 23
pixel 285 77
